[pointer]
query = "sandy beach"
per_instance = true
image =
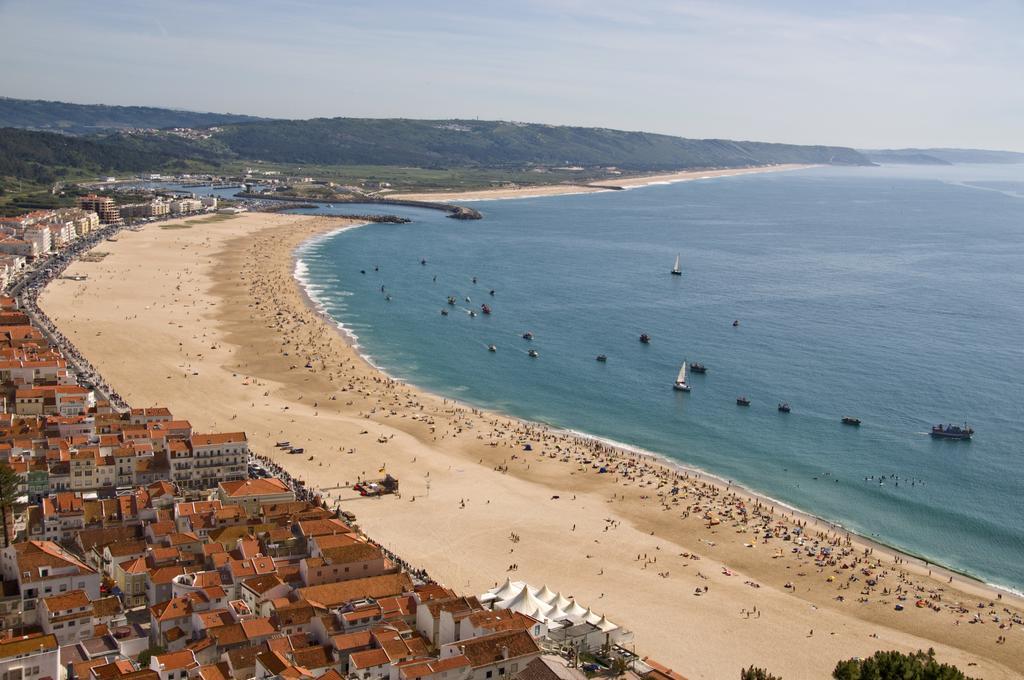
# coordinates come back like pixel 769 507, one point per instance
pixel 205 317
pixel 625 182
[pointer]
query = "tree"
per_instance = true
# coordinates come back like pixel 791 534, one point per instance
pixel 9 483
pixel 897 666
pixel 757 674
pixel 147 654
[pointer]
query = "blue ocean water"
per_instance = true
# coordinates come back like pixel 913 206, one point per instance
pixel 893 294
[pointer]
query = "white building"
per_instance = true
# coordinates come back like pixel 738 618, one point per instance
pixel 30 657
pixel 43 568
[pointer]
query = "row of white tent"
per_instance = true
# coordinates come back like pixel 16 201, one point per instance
pixel 544 605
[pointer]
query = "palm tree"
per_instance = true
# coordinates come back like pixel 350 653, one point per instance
pixel 9 483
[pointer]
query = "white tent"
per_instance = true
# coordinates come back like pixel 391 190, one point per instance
pixel 544 605
pixel 525 603
pixel 575 612
pixel 545 594
pixel 506 591
pixel 561 602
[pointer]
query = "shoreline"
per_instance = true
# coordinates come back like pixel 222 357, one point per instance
pixel 231 279
pixel 656 457
pixel 627 183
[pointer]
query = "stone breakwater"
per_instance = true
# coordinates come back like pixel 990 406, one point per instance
pixel 457 212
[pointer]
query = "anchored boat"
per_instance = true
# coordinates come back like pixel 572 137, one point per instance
pixel 952 432
pixel 676 271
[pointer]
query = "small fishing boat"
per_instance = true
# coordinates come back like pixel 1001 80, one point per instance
pixel 492 348
pixel 742 401
pixel 952 432
pixel 850 420
pixel 533 353
pixel 527 335
pixel 485 309
pixel 474 279
pixel 676 271
pixel 645 339
pixel 451 299
pixel 492 293
pixel 602 358
pixel 423 261
pixel 472 313
pixel 784 407
pixel 444 312
pixel 680 384
pixel 467 299
pixel 735 323
pixel 697 367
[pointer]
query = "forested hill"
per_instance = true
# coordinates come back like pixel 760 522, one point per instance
pixel 44 157
pixel 82 119
pixel 474 143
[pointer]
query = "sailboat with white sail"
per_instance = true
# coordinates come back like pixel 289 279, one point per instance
pixel 676 271
pixel 680 383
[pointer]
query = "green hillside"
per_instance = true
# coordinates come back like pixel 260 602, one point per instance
pixel 44 157
pixel 82 119
pixel 496 144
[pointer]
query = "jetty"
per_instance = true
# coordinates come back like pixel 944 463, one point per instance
pixel 456 212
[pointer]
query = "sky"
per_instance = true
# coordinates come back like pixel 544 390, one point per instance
pixel 863 74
